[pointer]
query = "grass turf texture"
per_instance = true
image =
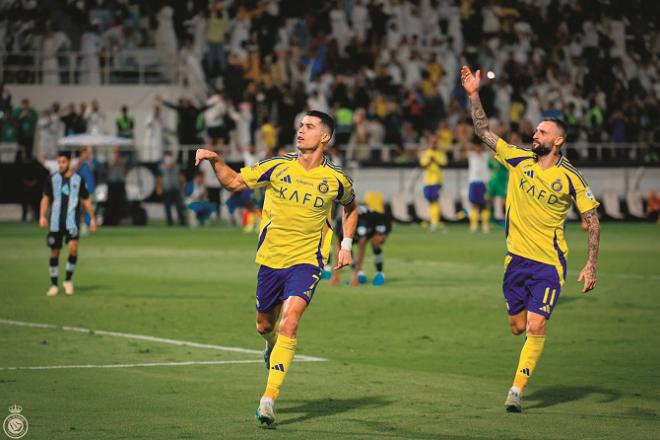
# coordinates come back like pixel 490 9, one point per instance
pixel 427 356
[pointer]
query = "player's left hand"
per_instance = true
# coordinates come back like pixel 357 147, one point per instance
pixel 588 274
pixel 344 258
pixel 92 225
pixel 203 154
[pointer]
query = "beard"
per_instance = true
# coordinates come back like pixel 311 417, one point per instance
pixel 541 150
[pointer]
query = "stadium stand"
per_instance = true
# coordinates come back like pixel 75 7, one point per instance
pixel 387 71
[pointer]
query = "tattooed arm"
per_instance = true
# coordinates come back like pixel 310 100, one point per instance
pixel 481 126
pixel 588 274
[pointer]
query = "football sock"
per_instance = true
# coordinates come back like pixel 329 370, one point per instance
pixel 474 218
pixel 530 354
pixel 280 361
pixel 485 219
pixel 70 266
pixel 485 216
pixel 53 263
pixel 378 259
pixel 434 212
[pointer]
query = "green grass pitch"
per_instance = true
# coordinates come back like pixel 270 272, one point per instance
pixel 427 356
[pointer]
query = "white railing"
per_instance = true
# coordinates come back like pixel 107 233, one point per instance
pixel 128 66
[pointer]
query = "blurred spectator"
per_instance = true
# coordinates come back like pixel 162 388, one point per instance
pixel 47 136
pixel 197 202
pixel 154 137
pixel 73 121
pixel 125 124
pixel 214 120
pixel 32 178
pixel 116 205
pixel 166 42
pixel 26 123
pixel 197 27
pixel 169 185
pixel 217 27
pixel 268 136
pixel 54 42
pixel 85 167
pixel 191 68
pixel 8 142
pixel 95 118
pixel 186 127
pixel 90 48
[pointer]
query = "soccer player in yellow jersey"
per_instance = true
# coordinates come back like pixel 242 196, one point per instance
pixel 432 160
pixel 542 185
pixel 294 239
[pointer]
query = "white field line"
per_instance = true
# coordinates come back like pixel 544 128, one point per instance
pixel 177 342
pixel 147 364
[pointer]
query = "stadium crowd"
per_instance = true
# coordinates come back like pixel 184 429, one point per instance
pixel 387 70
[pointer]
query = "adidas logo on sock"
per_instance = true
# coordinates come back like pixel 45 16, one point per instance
pixel 286 179
pixel 525 371
pixel 278 367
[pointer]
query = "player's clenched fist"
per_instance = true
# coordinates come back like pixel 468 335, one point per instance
pixel 202 154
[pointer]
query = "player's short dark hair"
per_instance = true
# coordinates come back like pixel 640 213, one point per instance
pixel 560 123
pixel 63 153
pixel 325 118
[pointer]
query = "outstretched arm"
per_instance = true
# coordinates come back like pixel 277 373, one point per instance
pixel 588 274
pixel 227 177
pixel 481 126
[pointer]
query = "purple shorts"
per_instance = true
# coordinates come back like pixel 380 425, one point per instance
pixel 276 285
pixel 432 192
pixel 477 193
pixel 530 285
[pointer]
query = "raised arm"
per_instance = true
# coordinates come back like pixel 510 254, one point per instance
pixel 588 274
pixel 482 129
pixel 227 177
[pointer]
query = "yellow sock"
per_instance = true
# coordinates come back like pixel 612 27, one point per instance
pixel 485 219
pixel 485 216
pixel 474 219
pixel 434 212
pixel 280 361
pixel 530 354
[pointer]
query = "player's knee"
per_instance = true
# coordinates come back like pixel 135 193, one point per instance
pixel 288 327
pixel 536 327
pixel 265 327
pixel 517 328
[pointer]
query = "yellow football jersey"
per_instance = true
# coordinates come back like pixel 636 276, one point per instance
pixel 432 161
pixel 537 205
pixel 296 219
pixel 374 201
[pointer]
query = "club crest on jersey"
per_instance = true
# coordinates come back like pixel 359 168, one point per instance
pixel 530 173
pixel 557 186
pixel 286 179
pixel 324 187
